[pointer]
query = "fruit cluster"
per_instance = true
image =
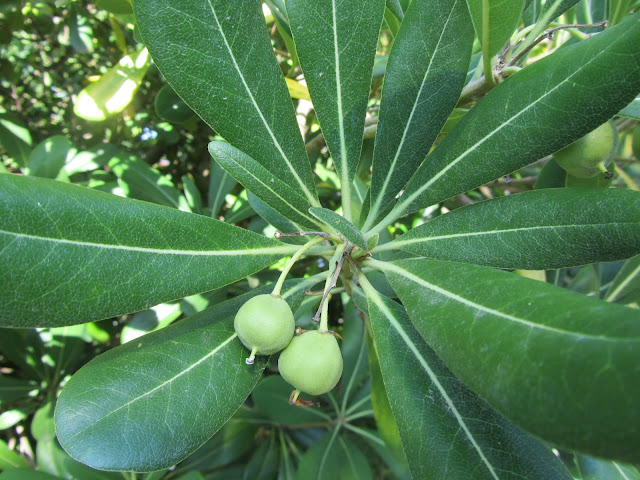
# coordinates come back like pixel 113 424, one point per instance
pixel 311 361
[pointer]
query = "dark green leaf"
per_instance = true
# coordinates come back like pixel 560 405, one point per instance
pixel 25 474
pixel 561 365
pixel 192 194
pixel 536 230
pixel 459 435
pixel 49 156
pixel 15 388
pixel 170 106
pixel 143 182
pixel 494 22
pixel 267 187
pixel 73 254
pixel 341 225
pixel 263 464
pixel 271 397
pixel 136 393
pixel 332 457
pixel 426 70
pixel 336 44
pixel 234 82
pixel 533 113
pixel 220 184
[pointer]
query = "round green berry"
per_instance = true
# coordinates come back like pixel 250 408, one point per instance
pixel 590 155
pixel 312 362
pixel 265 325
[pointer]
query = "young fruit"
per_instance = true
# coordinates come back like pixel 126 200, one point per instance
pixel 265 325
pixel 312 362
pixel 590 155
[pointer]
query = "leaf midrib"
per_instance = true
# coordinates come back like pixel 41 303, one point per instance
pixel 425 365
pixel 306 191
pixel 401 242
pixel 158 387
pixel 284 250
pixel 385 266
pixel 406 202
pixel 376 207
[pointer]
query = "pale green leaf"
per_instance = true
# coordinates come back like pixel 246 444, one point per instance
pixel 494 22
pixel 341 225
pixel 625 287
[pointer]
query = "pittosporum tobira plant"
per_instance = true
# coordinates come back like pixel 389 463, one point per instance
pixel 483 368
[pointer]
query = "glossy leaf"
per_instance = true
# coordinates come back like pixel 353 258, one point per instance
pixel 114 90
pixel 72 254
pixel 459 436
pixel 136 394
pixel 332 457
pixel 267 187
pixel 15 138
pixel 49 156
pixel 341 225
pixel 425 74
pixel 625 287
pixel 248 103
pixel 537 230
pixel 336 44
pixel 533 113
pixel 560 365
pixel 494 22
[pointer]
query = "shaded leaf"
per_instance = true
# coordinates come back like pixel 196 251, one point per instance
pixel 595 469
pixel 248 103
pixel 122 256
pixel 561 365
pixel 494 22
pixel 49 156
pixel 170 106
pixel 626 284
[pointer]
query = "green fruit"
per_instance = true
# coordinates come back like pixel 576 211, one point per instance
pixel 312 362
pixel 265 325
pixel 591 154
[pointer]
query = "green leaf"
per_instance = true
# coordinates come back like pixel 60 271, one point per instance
pixel 625 287
pixel 595 469
pixel 248 103
pixel 632 110
pixel 114 90
pixel 150 320
pixel 136 393
pixel 192 193
pixel 119 7
pixel 536 230
pixel 220 184
pixel 336 44
pixel 10 459
pixel 143 182
pixel 15 138
pixel 533 113
pixel 25 474
pixel 331 457
pixel 421 88
pixel 341 225
pixel 72 254
pixel 49 156
pixel 263 464
pixel 271 397
pixel 267 187
pixel 14 388
pixel 171 107
pixel 91 159
pixel 446 429
pixel 560 365
pixel 494 22
pixel 55 461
